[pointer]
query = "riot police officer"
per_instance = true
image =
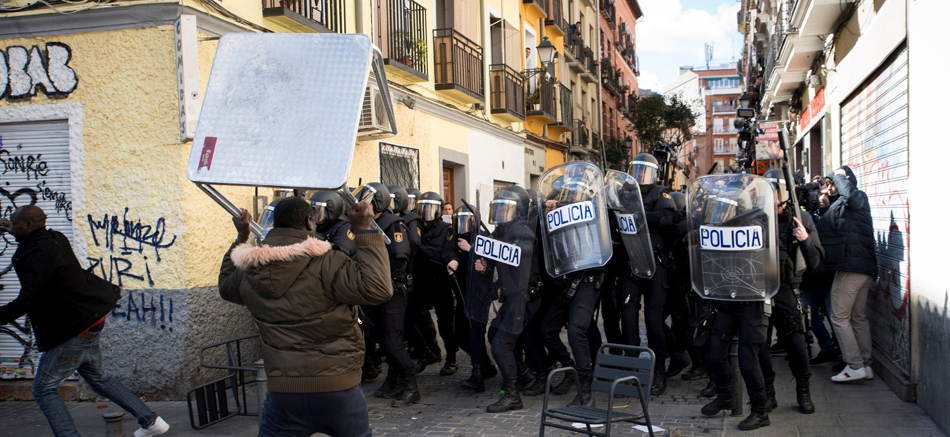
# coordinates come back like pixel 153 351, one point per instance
pixel 420 331
pixel 660 211
pixel 513 228
pixel 431 284
pixel 331 224
pixel 389 318
pixel 787 311
pixel 470 334
pixel 682 304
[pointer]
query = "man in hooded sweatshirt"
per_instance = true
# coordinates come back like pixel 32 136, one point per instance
pixel 852 243
pixel 304 296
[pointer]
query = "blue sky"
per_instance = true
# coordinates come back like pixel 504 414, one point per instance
pixel 672 33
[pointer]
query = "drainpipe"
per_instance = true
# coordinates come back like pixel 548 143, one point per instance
pixel 600 97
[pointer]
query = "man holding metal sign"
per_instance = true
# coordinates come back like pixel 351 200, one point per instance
pixel 501 270
pixel 734 263
pixel 303 297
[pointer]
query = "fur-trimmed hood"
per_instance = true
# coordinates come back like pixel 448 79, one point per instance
pixel 274 267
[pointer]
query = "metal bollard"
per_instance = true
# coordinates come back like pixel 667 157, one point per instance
pixel 739 382
pixel 261 384
pixel 113 421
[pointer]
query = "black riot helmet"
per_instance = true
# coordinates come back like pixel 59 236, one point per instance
pixel 375 193
pixel 726 204
pixel 327 207
pixel 429 206
pixel 414 195
pixel 400 204
pixel 643 168
pixel 509 205
pixel 777 177
pixel 680 200
pixel 463 220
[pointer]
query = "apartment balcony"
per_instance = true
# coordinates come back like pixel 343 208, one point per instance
pixel 817 17
pixel 401 30
pixel 610 78
pixel 574 52
pixel 588 3
pixel 580 139
pixel 458 66
pixel 565 114
pixel 724 109
pixel 721 87
pixel 609 11
pixel 721 130
pixel 507 93
pixel 554 25
pixel 541 102
pixel 307 16
pixel 540 6
pixel 725 150
pixel 590 66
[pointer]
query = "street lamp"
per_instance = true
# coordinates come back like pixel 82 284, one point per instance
pixel 744 100
pixel 547 52
pixel 628 142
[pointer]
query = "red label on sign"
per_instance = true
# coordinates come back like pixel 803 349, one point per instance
pixel 207 153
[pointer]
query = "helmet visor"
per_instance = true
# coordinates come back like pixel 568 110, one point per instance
pixel 412 202
pixel 319 211
pixel 267 220
pixel 573 192
pixel 722 210
pixel 463 222
pixel 780 189
pixel 502 211
pixel 429 209
pixel 643 172
pixel 364 193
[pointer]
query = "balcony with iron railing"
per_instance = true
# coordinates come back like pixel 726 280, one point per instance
pixel 580 138
pixel 458 65
pixel 507 93
pixel 724 130
pixel 725 149
pixel 324 16
pixel 541 6
pixel 401 33
pixel 540 98
pixel 610 77
pixel 574 51
pixel 565 114
pixel 555 23
pixel 723 108
pixel 590 66
pixel 609 11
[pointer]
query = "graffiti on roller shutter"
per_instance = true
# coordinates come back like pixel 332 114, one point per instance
pixel 134 247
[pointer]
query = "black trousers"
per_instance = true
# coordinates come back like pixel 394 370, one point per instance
pixel 553 320
pixel 679 337
pixel 609 307
pixel 785 314
pixel 504 344
pixel 630 290
pixel 389 331
pixel 748 321
pixel 438 293
pixel 582 332
pixel 470 335
pixel 536 357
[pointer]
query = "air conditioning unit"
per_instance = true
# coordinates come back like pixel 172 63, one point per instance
pixel 374 122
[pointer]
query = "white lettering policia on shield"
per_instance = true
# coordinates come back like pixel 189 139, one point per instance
pixel 496 250
pixel 626 223
pixel 730 239
pixel 570 214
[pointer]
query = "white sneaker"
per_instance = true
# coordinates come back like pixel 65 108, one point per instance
pixel 846 375
pixel 869 371
pixel 157 428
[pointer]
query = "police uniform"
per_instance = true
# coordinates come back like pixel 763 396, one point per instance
pixel 339 233
pixel 431 287
pixel 470 334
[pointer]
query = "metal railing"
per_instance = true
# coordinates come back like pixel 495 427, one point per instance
pixel 507 91
pixel 402 33
pixel 544 95
pixel 610 77
pixel 574 45
pixel 609 10
pixel 724 130
pixel 566 105
pixel 330 14
pixel 580 136
pixel 723 149
pixel 589 62
pixel 555 15
pixel 458 61
pixel 724 108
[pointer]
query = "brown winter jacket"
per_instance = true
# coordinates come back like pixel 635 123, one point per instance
pixel 303 297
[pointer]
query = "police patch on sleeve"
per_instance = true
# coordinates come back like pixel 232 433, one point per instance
pixel 397 236
pixel 350 234
pixel 448 237
pixel 419 231
pixel 667 195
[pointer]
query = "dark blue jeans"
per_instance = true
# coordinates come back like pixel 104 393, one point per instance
pixel 80 354
pixel 339 414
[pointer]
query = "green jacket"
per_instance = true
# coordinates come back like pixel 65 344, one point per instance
pixel 303 297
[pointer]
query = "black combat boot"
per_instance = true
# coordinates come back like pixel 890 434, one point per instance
pixel 489 371
pixel 427 359
pixel 659 383
pixel 710 389
pixel 804 396
pixel 695 372
pixel 758 418
pixel 450 367
pixel 510 399
pixel 583 397
pixel 410 392
pixel 476 382
pixel 770 402
pixel 678 363
pixel 726 400
pixel 389 385
pixel 567 382
pixel 525 376
pixel 537 386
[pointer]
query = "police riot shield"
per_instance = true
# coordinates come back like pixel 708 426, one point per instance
pixel 733 252
pixel 624 200
pixel 501 251
pixel 574 223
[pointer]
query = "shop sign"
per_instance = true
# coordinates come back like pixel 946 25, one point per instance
pixel 814 107
pixel 24 73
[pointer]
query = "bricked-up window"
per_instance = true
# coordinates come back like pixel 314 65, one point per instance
pixel 398 165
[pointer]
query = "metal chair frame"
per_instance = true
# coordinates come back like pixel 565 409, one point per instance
pixel 617 371
pixel 211 398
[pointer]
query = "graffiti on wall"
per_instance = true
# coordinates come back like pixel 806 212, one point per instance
pixel 24 73
pixel 130 243
pixel 155 309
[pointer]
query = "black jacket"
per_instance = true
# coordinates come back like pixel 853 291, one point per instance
pixel 54 291
pixel 849 245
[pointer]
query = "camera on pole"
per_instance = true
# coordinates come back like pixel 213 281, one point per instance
pixel 748 127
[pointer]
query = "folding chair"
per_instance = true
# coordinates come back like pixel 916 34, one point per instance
pixel 626 375
pixel 224 397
